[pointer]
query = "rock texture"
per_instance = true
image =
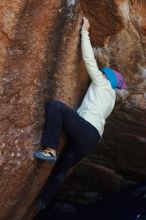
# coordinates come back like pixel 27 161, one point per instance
pixel 40 59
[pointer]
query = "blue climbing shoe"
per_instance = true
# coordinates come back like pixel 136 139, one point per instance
pixel 45 155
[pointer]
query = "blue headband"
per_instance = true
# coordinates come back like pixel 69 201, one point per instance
pixel 110 75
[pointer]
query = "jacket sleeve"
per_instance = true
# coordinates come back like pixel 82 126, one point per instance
pixel 89 60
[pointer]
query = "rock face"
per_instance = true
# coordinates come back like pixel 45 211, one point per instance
pixel 40 59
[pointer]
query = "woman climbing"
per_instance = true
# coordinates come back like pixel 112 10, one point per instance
pixel 84 127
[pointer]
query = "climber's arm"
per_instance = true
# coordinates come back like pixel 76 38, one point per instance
pixel 88 55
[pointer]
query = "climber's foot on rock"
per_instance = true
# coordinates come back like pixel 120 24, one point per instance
pixel 47 154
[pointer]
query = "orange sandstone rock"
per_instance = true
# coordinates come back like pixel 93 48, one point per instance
pixel 40 59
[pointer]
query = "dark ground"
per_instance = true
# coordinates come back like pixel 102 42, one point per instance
pixel 126 205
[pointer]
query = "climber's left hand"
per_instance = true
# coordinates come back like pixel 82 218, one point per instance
pixel 86 24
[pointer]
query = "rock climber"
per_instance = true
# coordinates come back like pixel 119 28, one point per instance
pixel 83 127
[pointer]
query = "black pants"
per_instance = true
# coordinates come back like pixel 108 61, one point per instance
pixel 82 138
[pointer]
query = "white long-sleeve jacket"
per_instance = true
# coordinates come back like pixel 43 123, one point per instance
pixel 100 97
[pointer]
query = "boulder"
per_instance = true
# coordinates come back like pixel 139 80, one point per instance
pixel 40 60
